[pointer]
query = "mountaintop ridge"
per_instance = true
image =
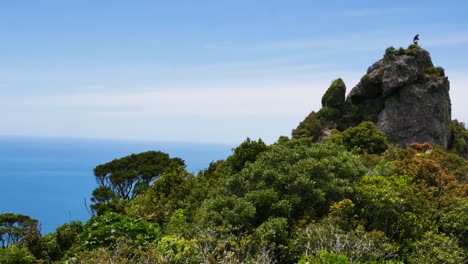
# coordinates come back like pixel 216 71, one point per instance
pixel 403 94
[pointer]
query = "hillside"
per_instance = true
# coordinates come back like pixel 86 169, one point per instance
pixel 379 176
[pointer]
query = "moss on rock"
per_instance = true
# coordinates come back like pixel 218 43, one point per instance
pixel 335 95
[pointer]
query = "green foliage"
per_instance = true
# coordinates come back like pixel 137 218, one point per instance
pixel 366 137
pixel 391 52
pixel 174 249
pixel 330 114
pixel 227 213
pixel 335 95
pixel 365 79
pixel 353 246
pixel 300 177
pixel 436 248
pixel 17 229
pixel 351 199
pixel 16 255
pixel 454 220
pixel 309 128
pixel 105 200
pixel 324 257
pixel 50 248
pixel 67 234
pixel 127 177
pixel 166 195
pixel 451 162
pixel 393 205
pixel 459 138
pixel 272 234
pixel 246 152
pixel 435 72
pixel 104 230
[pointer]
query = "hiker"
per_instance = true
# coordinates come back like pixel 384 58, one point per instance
pixel 416 39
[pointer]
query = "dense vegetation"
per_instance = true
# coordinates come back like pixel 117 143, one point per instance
pixel 350 199
pixel 336 192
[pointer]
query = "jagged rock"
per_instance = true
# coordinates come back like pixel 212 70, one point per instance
pixel 405 96
pixel 403 70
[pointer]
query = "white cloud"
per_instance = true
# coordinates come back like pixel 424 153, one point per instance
pixel 233 101
pixel 458 95
pixel 366 12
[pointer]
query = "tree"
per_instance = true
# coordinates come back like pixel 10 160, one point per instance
pixel 17 229
pixel 127 177
pixel 246 152
pixel 67 234
pixel 159 201
pixel 294 179
pixel 395 206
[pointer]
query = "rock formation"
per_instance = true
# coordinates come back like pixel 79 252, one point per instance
pixel 403 94
pixel 406 97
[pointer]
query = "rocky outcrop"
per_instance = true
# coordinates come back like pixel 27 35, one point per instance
pixel 405 96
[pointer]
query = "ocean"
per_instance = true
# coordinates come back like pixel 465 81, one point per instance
pixel 51 179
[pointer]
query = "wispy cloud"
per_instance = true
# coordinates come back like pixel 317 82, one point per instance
pixel 447 39
pixel 234 101
pixel 367 12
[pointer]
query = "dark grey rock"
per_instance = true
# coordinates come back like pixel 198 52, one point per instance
pixel 419 112
pixel 404 98
pixel 404 70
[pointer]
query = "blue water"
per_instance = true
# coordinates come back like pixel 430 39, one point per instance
pixel 50 179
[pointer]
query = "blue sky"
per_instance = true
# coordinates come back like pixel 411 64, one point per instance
pixel 203 71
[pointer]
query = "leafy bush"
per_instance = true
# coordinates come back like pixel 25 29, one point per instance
pixel 309 128
pixel 459 138
pixel 435 72
pixel 436 248
pixel 331 114
pixel 16 255
pixel 244 153
pixel 104 230
pixel 366 137
pixel 355 246
pixel 301 178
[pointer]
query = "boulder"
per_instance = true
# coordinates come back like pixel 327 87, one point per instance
pixel 405 96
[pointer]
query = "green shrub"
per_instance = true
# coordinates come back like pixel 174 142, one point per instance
pixel 459 138
pixel 330 114
pixel 104 230
pixel 366 137
pixel 436 248
pixel 365 79
pixel 16 255
pixel 309 128
pixel 390 53
pixel 435 72
pixel 245 153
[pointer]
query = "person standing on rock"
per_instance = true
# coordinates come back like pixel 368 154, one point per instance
pixel 416 39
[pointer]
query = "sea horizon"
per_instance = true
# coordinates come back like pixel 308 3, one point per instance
pixel 51 178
